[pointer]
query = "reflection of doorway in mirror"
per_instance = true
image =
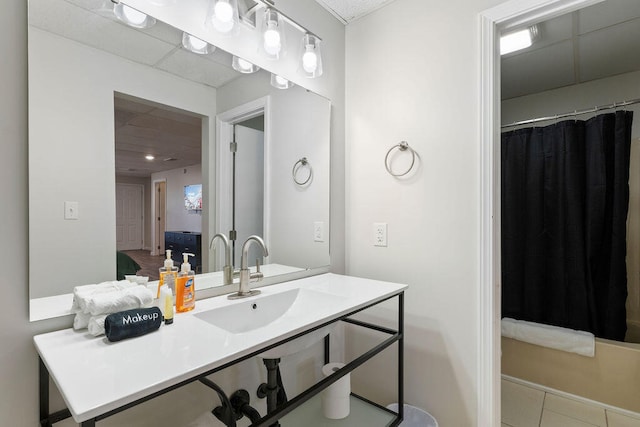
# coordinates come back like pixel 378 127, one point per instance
pixel 248 209
pixel 160 205
pixel 129 217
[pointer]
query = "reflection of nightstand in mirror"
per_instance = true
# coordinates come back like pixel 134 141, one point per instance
pixel 185 241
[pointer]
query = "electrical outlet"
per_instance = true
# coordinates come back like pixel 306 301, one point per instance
pixel 71 210
pixel 380 234
pixel 318 231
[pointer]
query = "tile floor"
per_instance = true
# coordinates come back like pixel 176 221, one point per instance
pixel 524 406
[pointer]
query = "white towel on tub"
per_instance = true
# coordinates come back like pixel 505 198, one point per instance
pixel 565 339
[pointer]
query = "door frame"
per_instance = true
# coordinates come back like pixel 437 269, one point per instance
pixel 224 134
pixel 505 16
pixel 156 239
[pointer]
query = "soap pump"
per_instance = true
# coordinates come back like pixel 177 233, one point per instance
pixel 167 269
pixel 185 286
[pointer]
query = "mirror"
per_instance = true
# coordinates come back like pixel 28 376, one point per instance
pixel 96 87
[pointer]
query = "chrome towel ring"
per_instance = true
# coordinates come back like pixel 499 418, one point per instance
pixel 402 146
pixel 297 166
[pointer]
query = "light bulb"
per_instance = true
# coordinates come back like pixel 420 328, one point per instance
pixel 244 65
pixel 272 41
pixel 133 16
pixel 196 43
pixel 222 18
pixel 280 82
pixel 309 60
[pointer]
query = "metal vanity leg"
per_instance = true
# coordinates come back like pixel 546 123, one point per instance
pixel 43 379
pixel 401 355
pixel 327 349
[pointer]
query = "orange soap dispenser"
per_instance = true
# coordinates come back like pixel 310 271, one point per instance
pixel 167 269
pixel 185 286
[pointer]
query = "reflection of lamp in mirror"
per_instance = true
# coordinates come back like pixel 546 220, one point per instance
pixel 243 66
pixel 132 17
pixel 223 16
pixel 280 82
pixel 272 34
pixel 311 58
pixel 196 45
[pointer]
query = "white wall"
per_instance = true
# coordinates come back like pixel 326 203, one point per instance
pixel 73 155
pixel 18 359
pixel 584 96
pixel 178 218
pixel 412 74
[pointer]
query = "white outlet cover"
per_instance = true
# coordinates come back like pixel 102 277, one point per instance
pixel 380 234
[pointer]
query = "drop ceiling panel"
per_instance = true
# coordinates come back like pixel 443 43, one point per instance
pixel 530 73
pixel 197 68
pixel 606 14
pixel 351 10
pixel 608 52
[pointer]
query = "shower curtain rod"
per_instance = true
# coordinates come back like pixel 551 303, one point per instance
pixel 574 113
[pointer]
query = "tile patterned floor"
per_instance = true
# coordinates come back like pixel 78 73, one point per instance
pixel 524 406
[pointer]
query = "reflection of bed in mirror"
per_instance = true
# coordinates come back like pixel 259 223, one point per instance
pixel 79 75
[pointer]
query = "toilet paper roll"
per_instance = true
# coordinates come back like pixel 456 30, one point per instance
pixel 335 398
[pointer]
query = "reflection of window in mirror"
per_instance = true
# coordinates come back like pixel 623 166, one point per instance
pixel 157 156
pixel 248 170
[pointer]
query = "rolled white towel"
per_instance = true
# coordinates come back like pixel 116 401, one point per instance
pixel 81 293
pixel 125 299
pixel 81 321
pixel 565 339
pixel 96 325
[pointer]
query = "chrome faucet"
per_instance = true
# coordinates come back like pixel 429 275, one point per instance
pixel 228 268
pixel 245 275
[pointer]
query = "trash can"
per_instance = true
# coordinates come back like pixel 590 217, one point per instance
pixel 414 417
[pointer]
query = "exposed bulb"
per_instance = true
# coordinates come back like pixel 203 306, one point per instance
pixel 280 82
pixel 196 45
pixel 272 40
pixel 223 16
pixel 243 66
pixel 133 16
pixel 309 60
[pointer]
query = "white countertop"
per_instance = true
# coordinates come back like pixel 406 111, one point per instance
pixel 95 376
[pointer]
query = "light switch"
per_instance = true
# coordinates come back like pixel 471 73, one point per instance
pixel 71 210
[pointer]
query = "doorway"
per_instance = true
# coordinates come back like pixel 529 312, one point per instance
pixel 160 212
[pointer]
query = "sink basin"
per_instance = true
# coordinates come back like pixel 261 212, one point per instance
pixel 263 310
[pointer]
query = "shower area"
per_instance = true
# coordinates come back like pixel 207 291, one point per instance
pixel 570 217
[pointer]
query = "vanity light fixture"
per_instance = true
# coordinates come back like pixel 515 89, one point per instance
pixel 149 157
pixel 518 40
pixel 280 82
pixel 223 16
pixel 133 17
pixel 243 66
pixel 311 57
pixel 272 34
pixel 196 45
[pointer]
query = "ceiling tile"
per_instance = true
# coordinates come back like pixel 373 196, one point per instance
pixel 606 14
pixel 530 72
pixel 352 9
pixel 611 51
pixel 197 68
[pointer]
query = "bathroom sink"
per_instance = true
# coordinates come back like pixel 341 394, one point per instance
pixel 268 310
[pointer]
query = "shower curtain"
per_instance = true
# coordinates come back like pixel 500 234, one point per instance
pixel 565 197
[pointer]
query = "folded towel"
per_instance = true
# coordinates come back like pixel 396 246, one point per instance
pixel 96 325
pixel 81 293
pixel 81 321
pixel 132 323
pixel 125 299
pixel 565 339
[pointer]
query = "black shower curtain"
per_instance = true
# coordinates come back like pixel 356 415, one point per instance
pixel 565 196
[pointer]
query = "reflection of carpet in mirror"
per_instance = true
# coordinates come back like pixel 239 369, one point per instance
pixel 149 263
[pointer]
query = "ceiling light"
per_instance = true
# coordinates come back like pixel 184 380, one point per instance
pixel 223 15
pixel 132 17
pixel 272 34
pixel 517 40
pixel 196 45
pixel 243 66
pixel 280 82
pixel 149 157
pixel 311 58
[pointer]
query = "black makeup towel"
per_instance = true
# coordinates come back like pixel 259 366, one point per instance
pixel 132 323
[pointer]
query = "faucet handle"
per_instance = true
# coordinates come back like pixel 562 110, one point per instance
pixel 257 265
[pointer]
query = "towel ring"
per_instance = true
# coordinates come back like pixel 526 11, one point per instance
pixel 402 146
pixel 296 167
